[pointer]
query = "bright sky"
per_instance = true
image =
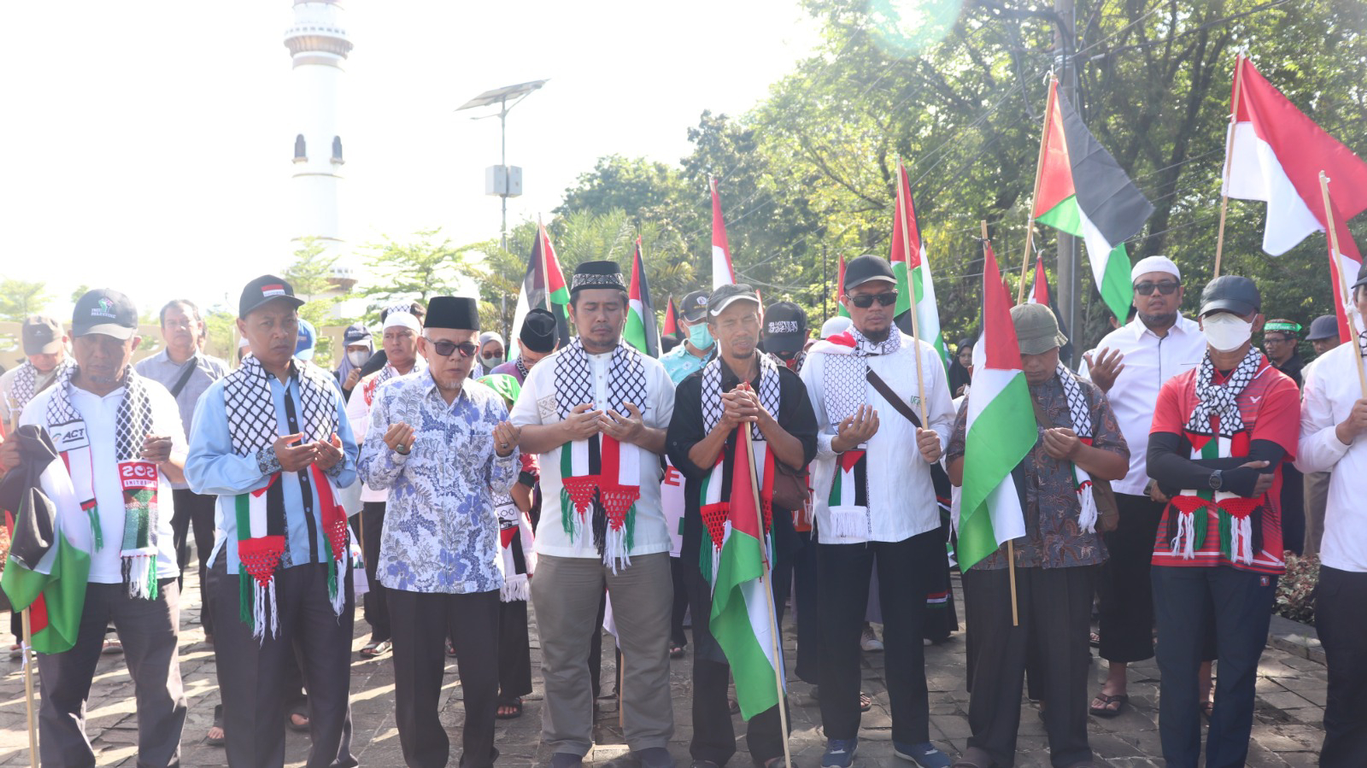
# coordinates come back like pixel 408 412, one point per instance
pixel 146 147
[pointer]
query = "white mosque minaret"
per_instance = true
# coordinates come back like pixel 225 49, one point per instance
pixel 318 46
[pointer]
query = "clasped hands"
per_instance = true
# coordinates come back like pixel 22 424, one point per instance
pixel 399 438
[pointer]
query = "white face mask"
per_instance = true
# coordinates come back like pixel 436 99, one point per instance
pixel 1226 332
pixel 358 357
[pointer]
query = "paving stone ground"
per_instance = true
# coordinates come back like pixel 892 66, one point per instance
pixel 1287 730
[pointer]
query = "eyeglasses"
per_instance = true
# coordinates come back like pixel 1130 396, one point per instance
pixel 1167 288
pixel 866 300
pixel 446 348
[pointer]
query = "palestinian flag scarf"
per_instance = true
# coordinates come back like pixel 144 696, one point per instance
pixel 845 381
pixel 138 479
pixel 1080 413
pixel 260 514
pixel 1216 430
pixel 601 478
pixel 715 491
pixel 517 560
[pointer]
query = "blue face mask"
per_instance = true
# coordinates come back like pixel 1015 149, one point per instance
pixel 700 336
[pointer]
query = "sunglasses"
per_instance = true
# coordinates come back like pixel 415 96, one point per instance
pixel 446 348
pixel 866 300
pixel 1167 288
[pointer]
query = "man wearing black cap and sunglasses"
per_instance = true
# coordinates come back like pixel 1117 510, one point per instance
pixel 272 441
pixel 442 445
pixel 876 507
pixel 1220 434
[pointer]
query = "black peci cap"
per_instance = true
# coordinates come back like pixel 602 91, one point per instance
pixel 459 313
pixel 538 332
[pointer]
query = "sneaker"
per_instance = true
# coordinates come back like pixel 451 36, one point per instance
pixel 923 755
pixel 869 641
pixel 839 753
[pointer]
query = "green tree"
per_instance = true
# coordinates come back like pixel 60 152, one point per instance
pixel 311 271
pixel 21 298
pixel 418 269
pixel 80 291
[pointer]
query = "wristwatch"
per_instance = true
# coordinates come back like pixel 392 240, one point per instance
pixel 1216 480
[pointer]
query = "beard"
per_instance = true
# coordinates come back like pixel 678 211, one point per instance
pixel 1158 320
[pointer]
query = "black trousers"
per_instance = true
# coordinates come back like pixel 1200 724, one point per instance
pixel 195 511
pixel 253 676
pixel 149 630
pixel 1126 593
pixel 514 652
pixel 1342 626
pixel 906 573
pixel 804 603
pixel 376 604
pixel 1293 509
pixel 1185 599
pixel 1055 608
pixel 421 623
pixel 676 617
pixel 714 736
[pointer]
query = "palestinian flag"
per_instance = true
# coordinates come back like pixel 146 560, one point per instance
pixel 640 331
pixel 671 319
pixel 49 557
pixel 1000 431
pixel 1347 258
pixel 912 269
pixel 722 273
pixel 740 619
pixel 1084 192
pixel 1275 154
pixel 1042 293
pixel 840 289
pixel 544 287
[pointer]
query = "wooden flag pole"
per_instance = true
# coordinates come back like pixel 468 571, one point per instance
pixel 1039 166
pixel 1343 276
pixel 1010 543
pixel 768 597
pixel 911 286
pixel 29 660
pixel 1229 144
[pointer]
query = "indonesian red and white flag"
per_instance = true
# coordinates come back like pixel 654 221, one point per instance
pixel 1275 154
pixel 722 273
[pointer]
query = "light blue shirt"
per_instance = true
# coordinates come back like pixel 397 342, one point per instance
pixel 679 363
pixel 441 531
pixel 213 468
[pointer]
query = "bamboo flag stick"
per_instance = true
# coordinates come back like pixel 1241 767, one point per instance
pixel 29 659
pixel 1010 543
pixel 1343 276
pixel 911 286
pixel 768 598
pixel 1229 144
pixel 1034 196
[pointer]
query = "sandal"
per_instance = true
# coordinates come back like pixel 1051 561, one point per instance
pixel 450 648
pixel 1106 710
pixel 294 725
pixel 515 707
pixel 1207 707
pixel 865 702
pixel 222 737
pixel 1094 640
pixel 376 648
pixel 676 651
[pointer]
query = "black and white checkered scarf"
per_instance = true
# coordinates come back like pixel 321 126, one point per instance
pixel 1222 400
pixel 251 410
pixel 25 385
pixel 132 423
pixel 711 393
pixel 1079 408
pixel 846 375
pixel 574 379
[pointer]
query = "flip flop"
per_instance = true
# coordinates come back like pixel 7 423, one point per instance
pixel 371 650
pixel 1120 700
pixel 865 702
pixel 515 704
pixel 676 651
pixel 293 726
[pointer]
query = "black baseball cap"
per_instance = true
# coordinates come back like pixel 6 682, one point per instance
pixel 865 269
pixel 729 294
pixel 1231 293
pixel 693 308
pixel 42 335
pixel 1323 327
pixel 265 289
pixel 105 312
pixel 785 328
pixel 1362 276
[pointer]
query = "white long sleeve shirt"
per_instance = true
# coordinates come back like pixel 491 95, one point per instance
pixel 901 496
pixel 1149 361
pixel 1331 389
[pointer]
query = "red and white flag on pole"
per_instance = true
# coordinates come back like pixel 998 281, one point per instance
pixel 722 273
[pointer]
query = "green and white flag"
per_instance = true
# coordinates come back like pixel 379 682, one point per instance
pixel 912 268
pixel 641 331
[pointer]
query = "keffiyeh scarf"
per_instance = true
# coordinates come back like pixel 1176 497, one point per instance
pixel 372 384
pixel 714 494
pixel 517 559
pixel 600 477
pixel 138 479
pixel 261 524
pixel 1080 414
pixel 26 384
pixel 1216 430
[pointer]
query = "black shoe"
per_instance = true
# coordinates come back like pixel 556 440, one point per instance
pixel 654 757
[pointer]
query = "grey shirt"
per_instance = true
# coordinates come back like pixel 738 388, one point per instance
pixel 162 369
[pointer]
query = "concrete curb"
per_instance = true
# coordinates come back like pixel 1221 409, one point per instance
pixel 1295 638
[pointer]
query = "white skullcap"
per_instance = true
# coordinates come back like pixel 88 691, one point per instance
pixel 396 319
pixel 1155 264
pixel 835 326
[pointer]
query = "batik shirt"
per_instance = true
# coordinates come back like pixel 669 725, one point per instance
pixel 441 532
pixel 1053 537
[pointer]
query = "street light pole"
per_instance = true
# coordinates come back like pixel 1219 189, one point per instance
pixel 500 180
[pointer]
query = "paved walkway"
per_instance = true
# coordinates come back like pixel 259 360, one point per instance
pixel 1287 730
